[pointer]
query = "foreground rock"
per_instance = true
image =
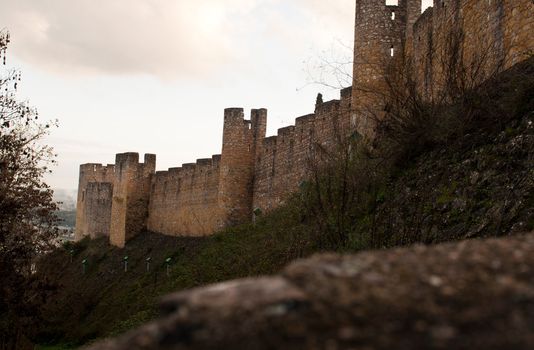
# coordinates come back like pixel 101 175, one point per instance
pixel 468 295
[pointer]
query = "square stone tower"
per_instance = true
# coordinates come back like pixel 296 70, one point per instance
pixel 242 141
pixel 131 194
pixel 382 32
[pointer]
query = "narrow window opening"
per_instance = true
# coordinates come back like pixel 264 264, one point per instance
pixel 392 51
pixel 94 167
pixel 442 3
pixel 392 15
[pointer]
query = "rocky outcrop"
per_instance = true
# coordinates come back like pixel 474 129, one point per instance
pixel 476 294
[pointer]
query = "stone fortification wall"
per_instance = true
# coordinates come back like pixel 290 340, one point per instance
pixel 198 199
pixel 98 199
pixel 90 173
pixel 242 142
pixel 131 195
pixel 257 172
pixel 489 35
pixel 184 201
pixel 517 30
pixel 423 54
pixel 285 160
pixel 380 34
pixel 193 200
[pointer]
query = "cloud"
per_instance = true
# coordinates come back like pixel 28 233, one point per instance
pixel 158 37
pixel 165 38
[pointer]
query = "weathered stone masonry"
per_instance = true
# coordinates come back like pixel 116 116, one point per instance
pixel 200 198
pixel 495 32
pixel 123 199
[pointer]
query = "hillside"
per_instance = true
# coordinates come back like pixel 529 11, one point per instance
pixel 465 295
pixel 479 184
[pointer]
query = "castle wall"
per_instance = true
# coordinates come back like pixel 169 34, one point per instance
pixel 184 201
pixel 97 208
pixel 412 13
pixel 131 195
pixel 380 34
pixel 89 173
pixel 287 159
pixel 423 53
pixel 518 29
pixel 489 35
pixel 252 171
pixel 499 30
pixel 242 141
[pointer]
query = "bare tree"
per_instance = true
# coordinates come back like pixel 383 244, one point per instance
pixel 27 219
pixel 413 106
pixel 422 109
pixel 331 68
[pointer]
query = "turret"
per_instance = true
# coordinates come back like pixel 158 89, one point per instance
pixel 131 195
pixel 258 119
pixel 241 142
pixel 413 12
pixel 91 173
pixel 380 35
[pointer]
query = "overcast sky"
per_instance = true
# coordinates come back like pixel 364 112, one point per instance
pixel 154 76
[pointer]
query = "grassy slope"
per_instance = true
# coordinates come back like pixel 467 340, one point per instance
pixel 106 300
pixel 444 194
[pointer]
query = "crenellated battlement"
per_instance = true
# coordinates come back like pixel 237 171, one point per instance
pixel 202 197
pixel 270 141
pixel 97 172
pixel 286 131
pixel 183 200
pixel 285 158
pixel 304 120
pixel 327 107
